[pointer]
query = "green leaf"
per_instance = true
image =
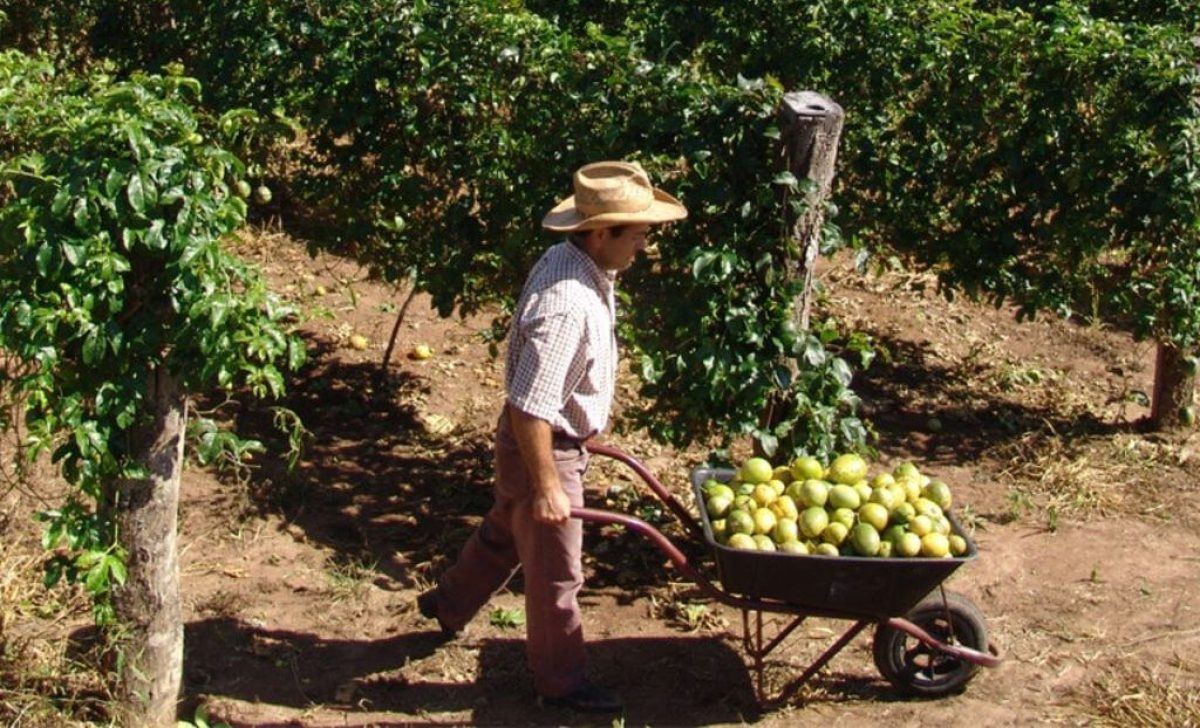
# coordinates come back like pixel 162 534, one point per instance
pixel 97 579
pixel 785 178
pixel 116 569
pixel 154 236
pixel 135 192
pixel 45 259
pixel 93 346
pixel 73 252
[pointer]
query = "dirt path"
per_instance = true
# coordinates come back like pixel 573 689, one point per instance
pixel 299 587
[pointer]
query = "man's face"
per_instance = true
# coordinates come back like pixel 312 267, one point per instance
pixel 616 252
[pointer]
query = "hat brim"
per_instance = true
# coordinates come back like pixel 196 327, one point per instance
pixel 565 218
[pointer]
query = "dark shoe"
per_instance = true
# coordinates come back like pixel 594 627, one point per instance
pixel 427 606
pixel 589 698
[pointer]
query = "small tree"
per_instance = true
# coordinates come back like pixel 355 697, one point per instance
pixel 117 298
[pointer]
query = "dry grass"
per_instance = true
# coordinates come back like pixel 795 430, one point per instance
pixel 1098 477
pixel 1133 697
pixel 41 684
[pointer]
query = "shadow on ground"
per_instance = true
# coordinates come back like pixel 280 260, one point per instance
pixel 970 420
pixel 378 489
pixel 294 671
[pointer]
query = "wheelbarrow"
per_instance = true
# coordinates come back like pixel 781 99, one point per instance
pixel 927 642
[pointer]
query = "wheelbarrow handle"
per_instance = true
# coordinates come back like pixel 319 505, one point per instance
pixel 639 527
pixel 963 653
pixel 677 558
pixel 652 482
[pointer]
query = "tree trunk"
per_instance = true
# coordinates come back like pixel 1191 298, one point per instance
pixel 148 605
pixel 811 125
pixel 387 355
pixel 1174 388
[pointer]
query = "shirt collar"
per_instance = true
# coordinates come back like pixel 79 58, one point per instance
pixel 601 279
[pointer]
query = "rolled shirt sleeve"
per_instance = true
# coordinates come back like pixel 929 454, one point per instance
pixel 551 362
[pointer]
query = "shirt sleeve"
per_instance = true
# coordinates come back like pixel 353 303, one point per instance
pixel 549 365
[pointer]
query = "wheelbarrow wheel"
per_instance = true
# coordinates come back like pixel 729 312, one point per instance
pixel 919 669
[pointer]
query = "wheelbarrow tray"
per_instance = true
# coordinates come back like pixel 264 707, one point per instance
pixel 833 586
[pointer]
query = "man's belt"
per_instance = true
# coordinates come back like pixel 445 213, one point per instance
pixel 562 441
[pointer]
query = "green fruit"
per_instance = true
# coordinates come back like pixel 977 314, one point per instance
pixel 1187 415
pixel 756 470
pixel 835 533
pixel 874 515
pixel 242 189
pixel 716 487
pixel 847 469
pixel 926 507
pixel 786 529
pixel 743 541
pixel 885 497
pixel 921 525
pixel 935 545
pixel 262 194
pixel 958 544
pixel 908 545
pixel 864 491
pixel 813 521
pixel 764 521
pixel 793 547
pixel 814 493
pixel 763 494
pixel 938 492
pixel 807 467
pixel 865 539
pixel 883 480
pixel 844 516
pixel 844 496
pixel 903 513
pixel 763 542
pixel 906 470
pixel 893 534
pixel 718 505
pixel 720 529
pixel 826 549
pixel 785 507
pixel 911 487
pixel 885 549
pixel 739 521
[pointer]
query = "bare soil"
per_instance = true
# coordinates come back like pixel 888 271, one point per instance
pixel 300 587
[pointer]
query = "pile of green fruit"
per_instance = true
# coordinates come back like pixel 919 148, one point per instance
pixel 808 508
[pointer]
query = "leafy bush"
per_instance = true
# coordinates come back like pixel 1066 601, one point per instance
pixel 111 266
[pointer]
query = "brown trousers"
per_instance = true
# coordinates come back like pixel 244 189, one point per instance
pixel 550 555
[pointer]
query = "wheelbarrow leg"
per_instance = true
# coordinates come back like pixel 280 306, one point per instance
pixel 753 645
pixel 752 641
pixel 828 654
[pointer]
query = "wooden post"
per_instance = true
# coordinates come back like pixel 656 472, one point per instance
pixel 811 125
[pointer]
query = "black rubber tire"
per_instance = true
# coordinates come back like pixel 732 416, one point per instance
pixel 917 669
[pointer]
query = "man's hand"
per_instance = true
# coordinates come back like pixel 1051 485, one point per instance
pixel 550 503
pixel 551 506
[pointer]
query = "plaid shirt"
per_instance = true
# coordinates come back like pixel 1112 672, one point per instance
pixel 562 354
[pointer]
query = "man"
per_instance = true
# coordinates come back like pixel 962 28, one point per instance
pixel 560 375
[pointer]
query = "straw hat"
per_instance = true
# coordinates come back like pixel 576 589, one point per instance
pixel 612 193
